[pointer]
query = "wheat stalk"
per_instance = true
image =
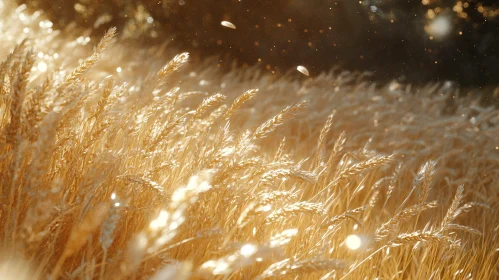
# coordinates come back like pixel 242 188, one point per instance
pixel 364 166
pixel 322 138
pixel 391 225
pixel 245 97
pixel 290 267
pixel 425 178
pixel 422 236
pixel 294 209
pixel 89 62
pixel 173 66
pixel 270 125
pixel 273 175
pixel 452 211
pixel 80 234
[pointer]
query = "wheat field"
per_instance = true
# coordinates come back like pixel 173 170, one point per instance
pixel 125 162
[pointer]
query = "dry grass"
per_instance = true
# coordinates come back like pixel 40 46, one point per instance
pixel 179 172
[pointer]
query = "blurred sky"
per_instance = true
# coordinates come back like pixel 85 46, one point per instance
pixel 413 41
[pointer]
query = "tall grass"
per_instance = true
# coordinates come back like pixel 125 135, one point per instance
pixel 179 172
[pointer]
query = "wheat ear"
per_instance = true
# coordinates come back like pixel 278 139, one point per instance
pixel 239 102
pixel 270 125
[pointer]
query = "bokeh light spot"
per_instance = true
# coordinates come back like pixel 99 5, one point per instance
pixel 353 242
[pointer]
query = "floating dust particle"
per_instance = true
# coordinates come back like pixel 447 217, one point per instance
pixel 303 70
pixel 228 24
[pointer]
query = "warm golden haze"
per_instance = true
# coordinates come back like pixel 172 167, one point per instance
pixel 165 170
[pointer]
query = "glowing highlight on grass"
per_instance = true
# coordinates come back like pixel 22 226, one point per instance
pixel 159 222
pixel 248 250
pixel 353 242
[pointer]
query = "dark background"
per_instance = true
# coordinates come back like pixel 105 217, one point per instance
pixel 386 37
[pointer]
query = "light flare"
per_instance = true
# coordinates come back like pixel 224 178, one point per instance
pixel 353 242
